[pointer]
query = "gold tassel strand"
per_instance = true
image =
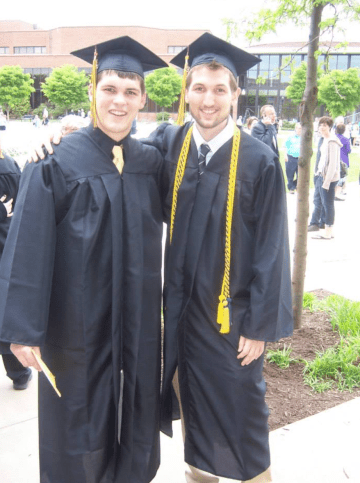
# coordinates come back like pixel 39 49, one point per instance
pixel 93 82
pixel 182 104
pixel 223 315
pixel 180 170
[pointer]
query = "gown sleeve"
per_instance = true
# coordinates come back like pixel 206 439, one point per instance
pixel 26 267
pixel 270 317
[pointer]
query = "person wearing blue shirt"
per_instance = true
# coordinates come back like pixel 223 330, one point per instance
pixel 292 153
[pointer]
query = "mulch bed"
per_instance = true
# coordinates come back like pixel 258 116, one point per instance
pixel 288 398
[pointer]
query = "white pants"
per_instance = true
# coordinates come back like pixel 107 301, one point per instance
pixel 194 475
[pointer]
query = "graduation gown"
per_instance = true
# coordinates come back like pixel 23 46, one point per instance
pixel 224 407
pixel 81 278
pixel 9 185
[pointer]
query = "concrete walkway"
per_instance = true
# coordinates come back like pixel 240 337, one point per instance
pixel 321 448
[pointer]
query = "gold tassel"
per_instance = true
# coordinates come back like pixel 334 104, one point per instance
pixel 182 103
pixel 180 170
pixel 93 82
pixel 223 317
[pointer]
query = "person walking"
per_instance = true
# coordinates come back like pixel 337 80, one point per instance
pixel 328 174
pixel 344 158
pixel 292 153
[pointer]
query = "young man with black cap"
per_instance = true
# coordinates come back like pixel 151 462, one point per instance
pixel 80 284
pixel 227 287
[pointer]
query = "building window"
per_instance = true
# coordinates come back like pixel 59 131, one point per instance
pixel 175 49
pixel 4 50
pixel 355 60
pixel 29 50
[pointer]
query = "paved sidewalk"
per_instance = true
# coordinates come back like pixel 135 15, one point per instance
pixel 320 449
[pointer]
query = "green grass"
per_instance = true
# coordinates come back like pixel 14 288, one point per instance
pixel 336 367
pixel 339 366
pixel 354 159
pixel 281 357
pixel 310 301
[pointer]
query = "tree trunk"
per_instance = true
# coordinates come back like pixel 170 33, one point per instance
pixel 307 108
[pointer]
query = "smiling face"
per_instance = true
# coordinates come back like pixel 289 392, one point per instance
pixel 210 98
pixel 118 101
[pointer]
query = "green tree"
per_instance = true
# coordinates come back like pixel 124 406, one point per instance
pixel 163 86
pixel 340 91
pixel 15 87
pixel 296 88
pixel 322 16
pixel 66 86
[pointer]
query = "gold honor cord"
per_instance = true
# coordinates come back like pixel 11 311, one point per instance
pixel 93 83
pixel 223 315
pixel 182 104
pixel 180 170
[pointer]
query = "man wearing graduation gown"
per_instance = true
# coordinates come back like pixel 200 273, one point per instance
pixel 9 185
pixel 220 374
pixel 80 283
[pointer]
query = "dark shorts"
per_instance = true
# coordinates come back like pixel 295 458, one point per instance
pixel 2 128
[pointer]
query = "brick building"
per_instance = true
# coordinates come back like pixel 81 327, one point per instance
pixel 38 51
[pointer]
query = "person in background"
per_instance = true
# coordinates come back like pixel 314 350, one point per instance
pixel 72 123
pixel 265 129
pixel 239 121
pixel 328 172
pixel 250 123
pixel 9 185
pixel 292 153
pixel 344 158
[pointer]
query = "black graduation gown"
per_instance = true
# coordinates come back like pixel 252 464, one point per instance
pixel 9 185
pixel 81 278
pixel 224 406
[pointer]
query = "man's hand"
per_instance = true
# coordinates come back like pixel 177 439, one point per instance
pixel 267 120
pixel 37 151
pixel 285 158
pixel 8 205
pixel 25 356
pixel 249 350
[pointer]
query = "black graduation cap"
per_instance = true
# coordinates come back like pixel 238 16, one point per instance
pixel 208 48
pixel 123 54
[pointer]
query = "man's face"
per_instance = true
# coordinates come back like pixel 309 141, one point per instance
pixel 271 114
pixel 298 130
pixel 210 98
pixel 117 104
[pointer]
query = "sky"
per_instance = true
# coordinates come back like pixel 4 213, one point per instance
pixel 190 14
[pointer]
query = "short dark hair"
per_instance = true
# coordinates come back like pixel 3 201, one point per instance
pixel 326 120
pixel 123 75
pixel 340 128
pixel 213 65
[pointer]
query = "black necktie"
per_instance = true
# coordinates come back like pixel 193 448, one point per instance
pixel 204 149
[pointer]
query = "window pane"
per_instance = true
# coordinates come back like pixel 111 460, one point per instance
pixel 264 64
pixel 37 50
pixel 355 60
pixel 332 62
pixel 43 50
pixel 274 62
pixel 342 63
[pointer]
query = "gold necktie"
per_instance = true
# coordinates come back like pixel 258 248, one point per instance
pixel 118 158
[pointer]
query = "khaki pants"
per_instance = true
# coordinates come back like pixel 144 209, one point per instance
pixel 194 475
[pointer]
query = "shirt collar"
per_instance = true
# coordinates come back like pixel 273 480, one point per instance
pixel 219 140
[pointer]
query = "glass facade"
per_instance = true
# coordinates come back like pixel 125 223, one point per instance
pixel 29 50
pixel 276 69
